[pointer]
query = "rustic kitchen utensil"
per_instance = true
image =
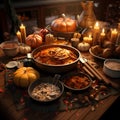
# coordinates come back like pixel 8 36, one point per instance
pixel 82 60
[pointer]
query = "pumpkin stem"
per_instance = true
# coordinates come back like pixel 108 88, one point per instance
pixel 64 16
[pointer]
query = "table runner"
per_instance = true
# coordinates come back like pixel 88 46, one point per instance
pixel 69 100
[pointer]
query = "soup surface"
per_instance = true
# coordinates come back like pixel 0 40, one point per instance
pixel 113 65
pixel 9 45
pixel 55 56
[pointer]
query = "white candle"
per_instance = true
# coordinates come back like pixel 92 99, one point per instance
pixel 96 30
pixel 23 32
pixel 102 37
pixel 88 39
pixel 19 36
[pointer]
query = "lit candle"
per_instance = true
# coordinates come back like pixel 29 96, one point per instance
pixel 96 30
pixel 23 32
pixel 102 37
pixel 103 32
pixel 96 26
pixel 19 36
pixel 88 39
pixel 113 37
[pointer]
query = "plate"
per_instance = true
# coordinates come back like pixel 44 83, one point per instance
pixel 76 81
pixel 96 56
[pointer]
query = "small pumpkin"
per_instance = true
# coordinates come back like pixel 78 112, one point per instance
pixel 64 24
pixel 24 76
pixel 34 40
pixel 24 49
pixel 77 35
pixel 83 46
pixel 49 38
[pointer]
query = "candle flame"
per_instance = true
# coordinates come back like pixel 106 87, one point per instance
pixel 97 24
pixel 18 32
pixel 90 36
pixel 103 30
pixel 114 31
pixel 22 25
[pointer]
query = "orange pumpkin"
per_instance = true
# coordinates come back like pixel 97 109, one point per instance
pixel 34 40
pixel 64 24
pixel 24 76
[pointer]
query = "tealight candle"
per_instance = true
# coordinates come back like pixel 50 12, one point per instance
pixel 23 32
pixel 19 36
pixel 88 39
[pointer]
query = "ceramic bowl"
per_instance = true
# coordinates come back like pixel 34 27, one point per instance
pixel 45 80
pixel 76 81
pixel 112 68
pixel 10 48
pixel 58 68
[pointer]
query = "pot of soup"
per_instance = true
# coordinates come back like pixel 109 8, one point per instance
pixel 56 58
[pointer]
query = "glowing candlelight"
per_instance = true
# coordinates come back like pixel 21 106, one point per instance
pixel 23 32
pixel 96 30
pixel 102 37
pixel 103 32
pixel 88 39
pixel 19 36
pixel 96 26
pixel 113 37
pixel 90 36
pixel 114 31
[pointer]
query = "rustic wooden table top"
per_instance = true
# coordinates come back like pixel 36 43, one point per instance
pixel 7 104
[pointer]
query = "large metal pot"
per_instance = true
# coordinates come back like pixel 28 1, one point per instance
pixel 56 68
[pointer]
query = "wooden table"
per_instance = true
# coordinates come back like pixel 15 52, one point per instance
pixel 8 107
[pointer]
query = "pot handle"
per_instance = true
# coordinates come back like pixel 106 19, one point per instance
pixel 29 55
